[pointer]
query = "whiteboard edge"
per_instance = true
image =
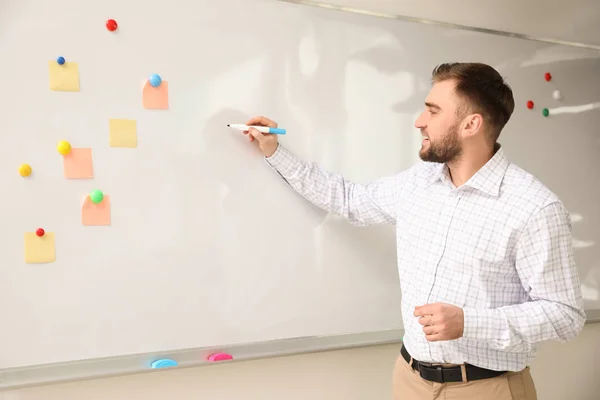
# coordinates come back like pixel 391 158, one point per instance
pixel 450 25
pixel 15 378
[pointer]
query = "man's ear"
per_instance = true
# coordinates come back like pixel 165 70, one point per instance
pixel 472 124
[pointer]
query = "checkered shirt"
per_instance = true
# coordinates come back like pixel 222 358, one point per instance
pixel 499 247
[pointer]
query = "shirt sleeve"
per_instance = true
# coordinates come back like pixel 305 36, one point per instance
pixel 373 203
pixel 546 267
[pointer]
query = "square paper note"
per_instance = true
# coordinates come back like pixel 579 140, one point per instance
pixel 123 133
pixel 39 249
pixel 156 97
pixel 64 78
pixel 78 164
pixel 96 214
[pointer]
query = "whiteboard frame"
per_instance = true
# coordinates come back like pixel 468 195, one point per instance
pixel 141 363
pixel 441 23
pixel 13 378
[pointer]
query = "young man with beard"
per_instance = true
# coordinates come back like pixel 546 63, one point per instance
pixel 484 248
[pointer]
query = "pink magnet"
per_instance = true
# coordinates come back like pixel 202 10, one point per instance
pixel 220 357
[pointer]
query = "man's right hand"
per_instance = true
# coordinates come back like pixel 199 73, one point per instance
pixel 267 142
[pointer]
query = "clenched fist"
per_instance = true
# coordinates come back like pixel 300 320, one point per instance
pixel 441 321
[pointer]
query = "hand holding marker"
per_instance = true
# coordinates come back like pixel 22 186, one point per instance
pixel 263 129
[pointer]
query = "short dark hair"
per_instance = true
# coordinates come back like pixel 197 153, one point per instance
pixel 484 90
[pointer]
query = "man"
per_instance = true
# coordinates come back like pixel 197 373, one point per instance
pixel 484 249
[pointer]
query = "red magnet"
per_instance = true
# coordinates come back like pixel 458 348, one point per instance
pixel 40 232
pixel 220 357
pixel 547 76
pixel 111 25
pixel 530 104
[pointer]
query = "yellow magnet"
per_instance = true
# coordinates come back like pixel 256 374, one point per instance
pixel 25 170
pixel 64 147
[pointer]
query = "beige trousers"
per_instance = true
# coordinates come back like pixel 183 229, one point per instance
pixel 408 385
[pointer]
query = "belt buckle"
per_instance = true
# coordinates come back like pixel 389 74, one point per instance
pixel 431 372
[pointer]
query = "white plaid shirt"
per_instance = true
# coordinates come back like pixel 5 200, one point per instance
pixel 498 246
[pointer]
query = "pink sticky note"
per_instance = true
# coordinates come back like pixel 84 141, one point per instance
pixel 78 164
pixel 95 214
pixel 156 97
pixel 220 357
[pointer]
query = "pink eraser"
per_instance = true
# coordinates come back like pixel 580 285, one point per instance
pixel 220 357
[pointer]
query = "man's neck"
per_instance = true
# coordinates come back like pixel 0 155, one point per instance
pixel 462 169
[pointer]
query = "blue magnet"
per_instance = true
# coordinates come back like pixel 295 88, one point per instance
pixel 163 363
pixel 60 60
pixel 155 80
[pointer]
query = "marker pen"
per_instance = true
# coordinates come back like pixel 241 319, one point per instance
pixel 263 129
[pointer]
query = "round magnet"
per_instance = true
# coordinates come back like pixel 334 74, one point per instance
pixel 155 80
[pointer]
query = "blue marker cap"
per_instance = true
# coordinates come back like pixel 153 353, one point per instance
pixel 155 80
pixel 163 363
pixel 277 131
pixel 60 60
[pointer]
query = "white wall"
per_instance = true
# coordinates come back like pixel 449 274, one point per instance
pixel 561 371
pixel 568 371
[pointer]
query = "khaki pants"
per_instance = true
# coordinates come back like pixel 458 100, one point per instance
pixel 408 385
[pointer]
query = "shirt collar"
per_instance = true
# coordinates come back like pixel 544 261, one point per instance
pixel 489 177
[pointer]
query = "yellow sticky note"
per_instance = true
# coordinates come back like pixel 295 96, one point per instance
pixel 78 164
pixel 40 249
pixel 64 78
pixel 96 214
pixel 156 97
pixel 123 133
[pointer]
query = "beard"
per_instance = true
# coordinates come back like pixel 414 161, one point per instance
pixel 446 150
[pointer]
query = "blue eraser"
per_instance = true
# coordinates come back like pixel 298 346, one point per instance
pixel 163 363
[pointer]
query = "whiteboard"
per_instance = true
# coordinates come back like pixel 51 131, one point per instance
pixel 206 245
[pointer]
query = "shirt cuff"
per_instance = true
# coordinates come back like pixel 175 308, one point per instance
pixel 480 324
pixel 284 161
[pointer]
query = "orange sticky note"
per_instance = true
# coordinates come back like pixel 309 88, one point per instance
pixel 156 97
pixel 95 214
pixel 78 164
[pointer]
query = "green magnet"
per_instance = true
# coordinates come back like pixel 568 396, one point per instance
pixel 96 196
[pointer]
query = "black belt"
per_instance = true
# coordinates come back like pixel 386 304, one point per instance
pixel 436 373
